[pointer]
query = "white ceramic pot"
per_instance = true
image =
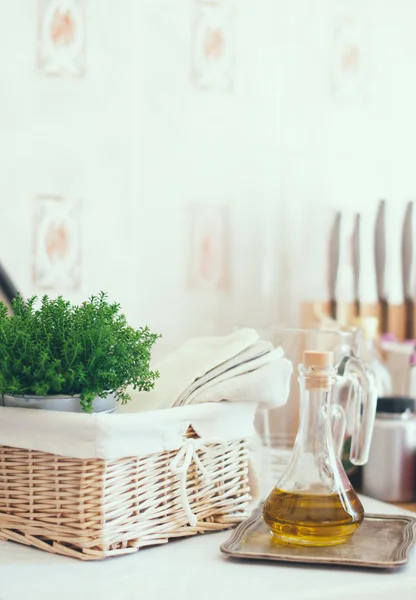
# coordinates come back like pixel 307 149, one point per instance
pixel 61 403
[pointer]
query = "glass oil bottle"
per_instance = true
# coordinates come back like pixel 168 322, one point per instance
pixel 313 503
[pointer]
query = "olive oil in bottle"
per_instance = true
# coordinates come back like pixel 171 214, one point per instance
pixel 313 519
pixel 313 503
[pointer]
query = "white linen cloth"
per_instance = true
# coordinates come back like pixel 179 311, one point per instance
pixel 112 436
pixel 237 367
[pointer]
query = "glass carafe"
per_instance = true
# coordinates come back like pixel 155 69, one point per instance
pixel 313 503
pixel 277 427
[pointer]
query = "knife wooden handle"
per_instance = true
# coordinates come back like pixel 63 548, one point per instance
pixel 408 319
pixel 357 307
pixel 384 316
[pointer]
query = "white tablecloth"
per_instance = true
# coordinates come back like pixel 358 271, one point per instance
pixel 193 569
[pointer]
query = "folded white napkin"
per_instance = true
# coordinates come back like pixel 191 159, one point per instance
pixel 248 360
pixel 236 367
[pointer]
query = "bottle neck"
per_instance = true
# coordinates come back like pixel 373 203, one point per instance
pixel 315 422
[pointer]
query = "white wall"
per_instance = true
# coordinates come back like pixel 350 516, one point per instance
pixel 200 208
pixel 348 139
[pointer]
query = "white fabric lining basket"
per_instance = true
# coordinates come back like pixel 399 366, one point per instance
pixel 93 486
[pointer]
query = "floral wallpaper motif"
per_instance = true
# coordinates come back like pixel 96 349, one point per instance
pixel 348 60
pixel 212 50
pixel 209 253
pixel 61 37
pixel 57 244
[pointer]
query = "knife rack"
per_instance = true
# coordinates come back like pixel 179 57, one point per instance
pixel 317 314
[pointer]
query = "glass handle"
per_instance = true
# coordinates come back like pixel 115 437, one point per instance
pixel 338 426
pixel 363 403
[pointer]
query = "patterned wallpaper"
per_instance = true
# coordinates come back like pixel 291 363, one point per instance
pixel 62 37
pixel 57 253
pixel 187 156
pixel 212 45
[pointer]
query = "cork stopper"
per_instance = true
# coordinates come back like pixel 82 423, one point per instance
pixel 316 358
pixel 319 362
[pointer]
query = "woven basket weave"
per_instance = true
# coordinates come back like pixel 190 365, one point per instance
pixel 94 508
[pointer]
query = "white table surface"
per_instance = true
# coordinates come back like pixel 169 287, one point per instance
pixel 194 568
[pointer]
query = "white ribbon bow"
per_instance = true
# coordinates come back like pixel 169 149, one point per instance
pixel 182 461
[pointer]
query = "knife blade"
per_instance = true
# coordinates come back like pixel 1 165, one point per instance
pixel 380 265
pixel 407 268
pixel 7 286
pixel 334 252
pixel 356 265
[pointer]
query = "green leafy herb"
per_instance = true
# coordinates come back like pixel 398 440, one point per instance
pixel 60 348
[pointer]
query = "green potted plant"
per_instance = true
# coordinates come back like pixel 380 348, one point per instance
pixel 65 357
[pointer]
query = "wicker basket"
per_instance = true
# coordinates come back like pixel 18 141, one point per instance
pixel 94 508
